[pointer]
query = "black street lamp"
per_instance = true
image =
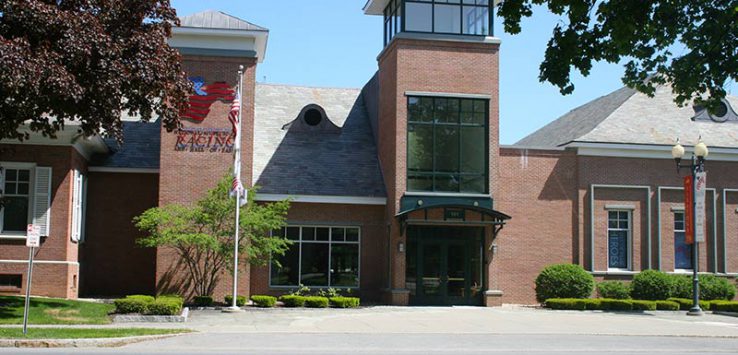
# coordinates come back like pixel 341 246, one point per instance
pixel 696 165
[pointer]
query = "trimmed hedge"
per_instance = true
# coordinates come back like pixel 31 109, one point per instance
pixel 292 301
pixel 264 301
pixel 711 287
pixel 685 303
pixel 316 302
pixel 652 285
pixel 162 306
pixel 130 305
pixel 203 301
pixel 616 305
pixel 613 289
pixel 726 306
pixel 563 281
pixel 639 305
pixel 344 302
pixel 240 300
pixel 667 306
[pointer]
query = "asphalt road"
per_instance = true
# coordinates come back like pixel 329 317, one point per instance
pixel 282 343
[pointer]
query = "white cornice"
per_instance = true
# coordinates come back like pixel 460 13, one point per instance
pixel 69 136
pixel 344 200
pixel 645 151
pixel 104 169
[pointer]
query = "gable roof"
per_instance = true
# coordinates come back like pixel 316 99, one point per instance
pixel 319 161
pixel 626 116
pixel 218 20
pixel 140 150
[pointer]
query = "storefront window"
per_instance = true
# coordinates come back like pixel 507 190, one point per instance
pixel 682 250
pixel 318 257
pixel 618 233
pixel 447 145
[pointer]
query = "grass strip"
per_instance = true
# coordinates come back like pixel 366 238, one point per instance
pixel 77 333
pixel 53 311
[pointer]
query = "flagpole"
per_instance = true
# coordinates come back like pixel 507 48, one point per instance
pixel 237 172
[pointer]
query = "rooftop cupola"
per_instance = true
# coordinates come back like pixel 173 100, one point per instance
pixel 439 18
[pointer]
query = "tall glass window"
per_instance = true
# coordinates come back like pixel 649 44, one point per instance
pixel 447 145
pixel 319 257
pixel 682 250
pixel 618 235
pixel 462 17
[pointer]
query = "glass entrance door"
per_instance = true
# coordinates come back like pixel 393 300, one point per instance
pixel 444 265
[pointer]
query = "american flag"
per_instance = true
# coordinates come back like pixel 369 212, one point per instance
pixel 234 114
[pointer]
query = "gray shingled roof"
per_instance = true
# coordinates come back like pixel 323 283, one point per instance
pixel 629 117
pixel 218 20
pixel 142 144
pixel 295 160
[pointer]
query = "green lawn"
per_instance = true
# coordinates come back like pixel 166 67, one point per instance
pixel 53 311
pixel 61 333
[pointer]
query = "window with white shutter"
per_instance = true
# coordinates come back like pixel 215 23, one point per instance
pixel 16 189
pixel 42 200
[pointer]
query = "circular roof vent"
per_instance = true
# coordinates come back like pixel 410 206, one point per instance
pixel 313 117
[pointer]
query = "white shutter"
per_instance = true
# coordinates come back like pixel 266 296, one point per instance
pixel 77 206
pixel 83 214
pixel 42 200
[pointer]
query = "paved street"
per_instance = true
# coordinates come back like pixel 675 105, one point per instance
pixel 458 330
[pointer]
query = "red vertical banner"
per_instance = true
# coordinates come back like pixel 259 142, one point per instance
pixel 688 210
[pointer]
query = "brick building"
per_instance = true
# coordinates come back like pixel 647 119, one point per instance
pixel 400 189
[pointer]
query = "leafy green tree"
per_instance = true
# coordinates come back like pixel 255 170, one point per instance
pixel 691 44
pixel 203 234
pixel 87 61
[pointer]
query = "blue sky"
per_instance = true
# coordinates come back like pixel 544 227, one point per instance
pixel 331 43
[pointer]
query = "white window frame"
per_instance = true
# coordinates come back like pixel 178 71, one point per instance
pixel 31 167
pixel 629 246
pixel 79 183
pixel 683 230
pixel 330 243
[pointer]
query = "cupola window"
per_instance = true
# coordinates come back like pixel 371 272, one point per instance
pixel 453 17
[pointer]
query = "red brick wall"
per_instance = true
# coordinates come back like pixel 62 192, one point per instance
pixel 56 279
pixel 429 66
pixel 112 263
pixel 538 189
pixel 186 176
pixel 373 247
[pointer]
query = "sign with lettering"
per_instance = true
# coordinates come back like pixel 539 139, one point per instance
pixel 33 236
pixel 454 214
pixel 699 198
pixel 204 140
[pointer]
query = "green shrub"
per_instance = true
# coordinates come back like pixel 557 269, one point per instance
pixel 240 300
pixel 292 301
pixel 344 302
pixel 714 304
pixel 166 306
pixel 131 305
pixel 613 289
pixel 563 281
pixel 726 306
pixel 715 288
pixel 667 306
pixel 639 305
pixel 203 301
pixel 593 304
pixel 316 302
pixel 143 298
pixel 577 304
pixel 685 303
pixel 616 305
pixel 682 286
pixel 264 301
pixel 651 285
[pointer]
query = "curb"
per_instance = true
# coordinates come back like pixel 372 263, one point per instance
pixel 80 343
pixel 126 318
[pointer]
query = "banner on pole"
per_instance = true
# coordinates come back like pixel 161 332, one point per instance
pixel 699 198
pixel 688 210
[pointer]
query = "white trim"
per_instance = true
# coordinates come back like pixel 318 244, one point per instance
pixel 620 207
pixel 192 37
pixel 448 94
pixel 645 151
pixel 614 273
pixel 445 194
pixel 629 239
pixel 53 262
pixel 347 200
pixel 103 169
